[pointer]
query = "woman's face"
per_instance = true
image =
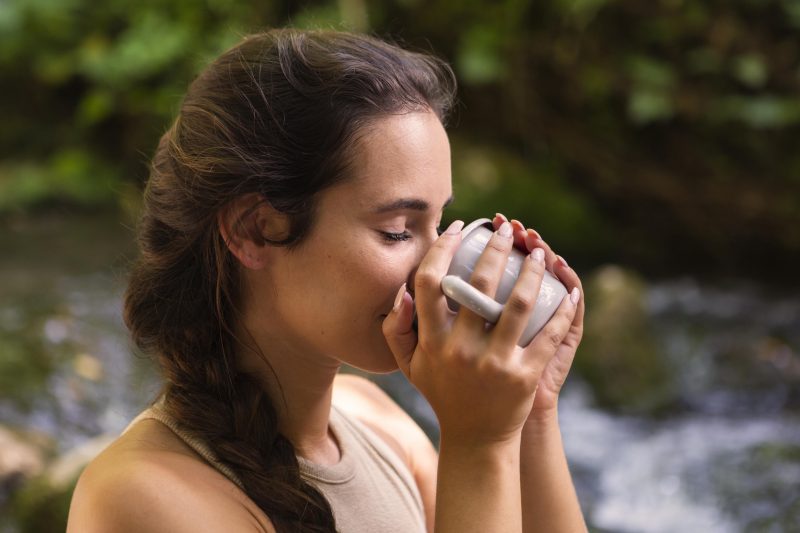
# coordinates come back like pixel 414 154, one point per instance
pixel 329 296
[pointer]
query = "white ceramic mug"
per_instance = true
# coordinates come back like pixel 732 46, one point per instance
pixel 456 287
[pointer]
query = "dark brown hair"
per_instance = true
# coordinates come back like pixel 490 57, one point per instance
pixel 276 115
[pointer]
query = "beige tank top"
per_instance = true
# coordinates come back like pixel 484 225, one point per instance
pixel 370 489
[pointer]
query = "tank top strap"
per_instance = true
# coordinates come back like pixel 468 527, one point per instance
pixel 156 412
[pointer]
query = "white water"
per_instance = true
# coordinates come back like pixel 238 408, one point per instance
pixel 655 477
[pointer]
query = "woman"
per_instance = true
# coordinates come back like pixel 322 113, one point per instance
pixel 290 227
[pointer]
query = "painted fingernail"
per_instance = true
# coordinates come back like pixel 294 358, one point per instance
pixel 538 255
pixel 562 261
pixel 575 295
pixel 398 300
pixel 534 234
pixel 519 225
pixel 502 216
pixel 455 227
pixel 505 230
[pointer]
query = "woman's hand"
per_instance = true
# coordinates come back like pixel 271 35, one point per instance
pixel 555 373
pixel 479 382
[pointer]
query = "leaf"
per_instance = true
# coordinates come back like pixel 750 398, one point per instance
pixel 479 56
pixel 751 70
pixel 648 105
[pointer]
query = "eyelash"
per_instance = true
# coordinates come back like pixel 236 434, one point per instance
pixel 396 237
pixel 404 236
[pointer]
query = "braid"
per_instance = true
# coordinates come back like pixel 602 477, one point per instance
pixel 244 434
pixel 276 116
pixel 172 313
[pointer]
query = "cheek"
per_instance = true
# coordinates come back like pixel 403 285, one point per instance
pixel 377 276
pixel 393 267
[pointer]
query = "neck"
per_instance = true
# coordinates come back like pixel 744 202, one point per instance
pixel 301 388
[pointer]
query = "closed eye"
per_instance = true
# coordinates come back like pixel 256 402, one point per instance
pixel 395 237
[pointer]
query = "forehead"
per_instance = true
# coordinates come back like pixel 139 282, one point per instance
pixel 404 155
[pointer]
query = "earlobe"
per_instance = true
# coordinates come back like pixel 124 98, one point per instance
pixel 243 225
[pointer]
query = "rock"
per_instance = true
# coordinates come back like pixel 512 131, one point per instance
pixel 619 356
pixel 42 505
pixel 20 459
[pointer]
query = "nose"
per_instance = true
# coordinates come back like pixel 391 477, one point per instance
pixel 425 243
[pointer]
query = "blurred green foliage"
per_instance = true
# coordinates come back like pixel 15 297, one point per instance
pixel 661 134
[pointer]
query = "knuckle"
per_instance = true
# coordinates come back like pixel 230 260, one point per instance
pixel 499 245
pixel 429 343
pixel 552 335
pixel 460 354
pixel 520 304
pixel 491 366
pixel 442 243
pixel 481 281
pixel 537 267
pixel 426 279
pixel 522 383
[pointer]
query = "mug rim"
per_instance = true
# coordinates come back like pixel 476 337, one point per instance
pixel 474 225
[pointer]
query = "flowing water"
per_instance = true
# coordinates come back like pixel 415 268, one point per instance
pixel 726 460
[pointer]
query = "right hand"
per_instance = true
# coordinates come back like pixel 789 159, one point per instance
pixel 480 384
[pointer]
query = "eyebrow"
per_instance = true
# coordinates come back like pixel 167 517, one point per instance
pixel 413 204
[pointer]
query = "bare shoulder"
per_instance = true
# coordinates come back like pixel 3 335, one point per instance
pixel 143 482
pixel 363 399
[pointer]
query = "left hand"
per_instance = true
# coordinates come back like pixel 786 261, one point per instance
pixel 555 373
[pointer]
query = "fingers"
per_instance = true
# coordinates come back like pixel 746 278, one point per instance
pixel 487 274
pixel 520 304
pixel 534 240
pixel 519 235
pixel 516 225
pixel 398 331
pixel 571 280
pixel 527 239
pixel 548 340
pixel 429 300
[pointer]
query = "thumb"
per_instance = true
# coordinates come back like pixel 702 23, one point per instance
pixel 398 330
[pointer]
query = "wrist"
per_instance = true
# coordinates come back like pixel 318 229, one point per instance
pixel 541 421
pixel 480 449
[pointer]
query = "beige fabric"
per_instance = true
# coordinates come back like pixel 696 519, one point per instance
pixel 155 412
pixel 370 489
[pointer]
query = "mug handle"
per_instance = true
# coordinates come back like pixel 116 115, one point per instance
pixel 465 294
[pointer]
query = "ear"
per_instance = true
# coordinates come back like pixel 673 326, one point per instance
pixel 245 223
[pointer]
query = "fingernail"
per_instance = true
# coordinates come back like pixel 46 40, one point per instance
pixel 562 260
pixel 505 230
pixel 398 300
pixel 534 234
pixel 502 216
pixel 455 227
pixel 575 295
pixel 538 255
